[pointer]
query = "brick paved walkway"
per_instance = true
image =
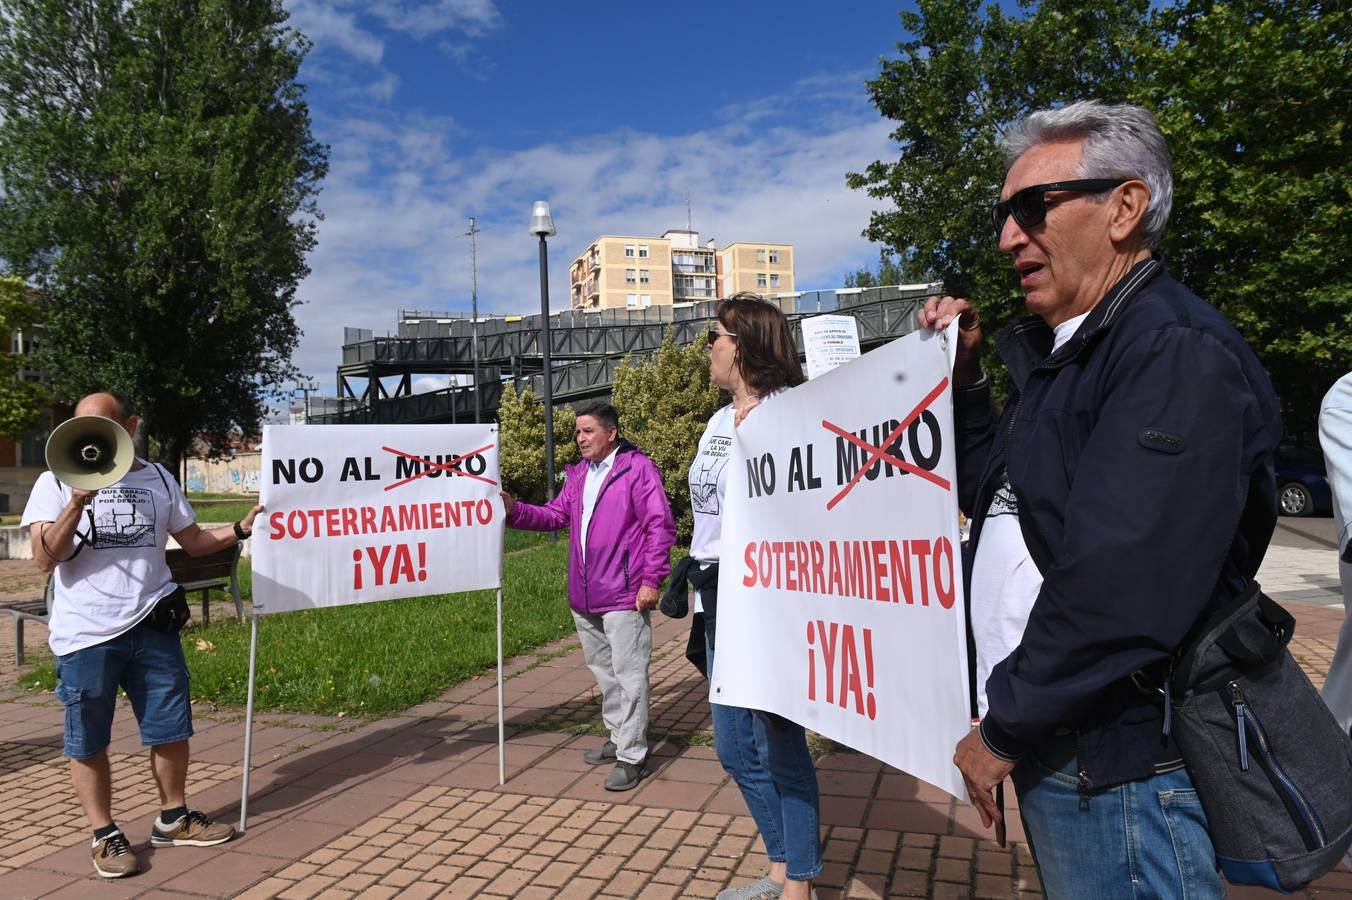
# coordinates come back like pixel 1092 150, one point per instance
pixel 410 805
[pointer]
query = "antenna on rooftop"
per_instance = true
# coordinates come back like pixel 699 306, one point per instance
pixel 688 220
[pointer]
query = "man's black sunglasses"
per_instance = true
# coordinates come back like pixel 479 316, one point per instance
pixel 1029 206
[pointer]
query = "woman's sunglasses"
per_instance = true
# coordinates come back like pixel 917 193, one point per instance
pixel 715 334
pixel 1029 206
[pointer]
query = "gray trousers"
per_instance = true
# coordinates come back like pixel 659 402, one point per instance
pixel 618 646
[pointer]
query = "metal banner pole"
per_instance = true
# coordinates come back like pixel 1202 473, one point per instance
pixel 502 741
pixel 248 724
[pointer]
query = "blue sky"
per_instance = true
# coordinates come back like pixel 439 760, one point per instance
pixel 438 110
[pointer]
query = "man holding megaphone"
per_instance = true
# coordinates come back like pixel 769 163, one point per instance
pixel 99 521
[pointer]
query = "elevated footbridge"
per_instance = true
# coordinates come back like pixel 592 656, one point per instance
pixel 586 347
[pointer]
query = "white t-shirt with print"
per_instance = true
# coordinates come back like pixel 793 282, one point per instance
pixel 1005 580
pixel 118 576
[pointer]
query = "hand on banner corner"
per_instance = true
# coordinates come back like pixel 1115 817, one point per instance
pixel 508 502
pixel 647 599
pixel 981 772
pixel 938 314
pixel 247 523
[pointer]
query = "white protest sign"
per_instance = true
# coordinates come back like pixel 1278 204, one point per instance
pixel 358 513
pixel 840 599
pixel 829 341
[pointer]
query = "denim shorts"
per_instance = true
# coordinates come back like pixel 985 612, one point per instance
pixel 149 666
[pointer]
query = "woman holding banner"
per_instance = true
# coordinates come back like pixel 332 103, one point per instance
pixel 752 356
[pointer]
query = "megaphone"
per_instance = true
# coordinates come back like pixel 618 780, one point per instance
pixel 89 452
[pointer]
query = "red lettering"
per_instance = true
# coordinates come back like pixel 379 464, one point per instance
pixel 818 583
pixel 749 579
pixel 943 547
pixel 880 571
pixel 349 520
pixel 920 548
pixel 278 529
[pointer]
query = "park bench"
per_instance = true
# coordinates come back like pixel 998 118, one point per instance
pixel 22 610
pixel 203 574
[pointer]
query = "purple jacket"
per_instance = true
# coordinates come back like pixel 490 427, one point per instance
pixel 629 537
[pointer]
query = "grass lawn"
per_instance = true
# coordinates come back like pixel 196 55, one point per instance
pixel 377 658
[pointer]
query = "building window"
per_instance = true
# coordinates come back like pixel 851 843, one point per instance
pixel 629 250
pixel 760 280
pixel 774 256
pixel 630 276
pixel 774 280
pixel 631 301
pixel 645 300
pixel 642 251
pixel 760 256
pixel 643 276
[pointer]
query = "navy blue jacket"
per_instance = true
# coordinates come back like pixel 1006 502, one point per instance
pixel 1141 456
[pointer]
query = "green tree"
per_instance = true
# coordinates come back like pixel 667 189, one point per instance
pixel 21 401
pixel 521 436
pixel 888 273
pixel 1253 96
pixel 1261 213
pixel 159 177
pixel 664 403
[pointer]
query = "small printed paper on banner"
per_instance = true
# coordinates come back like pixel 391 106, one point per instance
pixel 841 573
pixel 829 341
pixel 359 513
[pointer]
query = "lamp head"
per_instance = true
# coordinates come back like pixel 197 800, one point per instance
pixel 541 221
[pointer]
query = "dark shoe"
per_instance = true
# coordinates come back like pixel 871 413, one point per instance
pixel 192 830
pixel 601 755
pixel 113 857
pixel 625 776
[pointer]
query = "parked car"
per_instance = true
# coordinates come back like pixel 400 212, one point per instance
pixel 1302 482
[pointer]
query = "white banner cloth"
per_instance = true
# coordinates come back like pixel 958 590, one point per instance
pixel 358 513
pixel 840 600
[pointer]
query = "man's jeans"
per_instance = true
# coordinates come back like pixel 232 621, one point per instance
pixel 767 757
pixel 1143 839
pixel 618 646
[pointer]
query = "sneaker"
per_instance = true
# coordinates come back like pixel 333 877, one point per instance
pixel 192 830
pixel 113 857
pixel 601 755
pixel 625 776
pixel 764 889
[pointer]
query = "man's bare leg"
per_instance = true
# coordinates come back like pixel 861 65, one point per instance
pixel 93 780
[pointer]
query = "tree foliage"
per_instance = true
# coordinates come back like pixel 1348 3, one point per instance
pixel 664 403
pixel 1253 97
pixel 159 177
pixel 888 273
pixel 521 439
pixel 21 402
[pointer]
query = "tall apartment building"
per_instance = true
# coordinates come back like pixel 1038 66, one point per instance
pixel 619 271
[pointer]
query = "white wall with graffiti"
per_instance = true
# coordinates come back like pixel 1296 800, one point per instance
pixel 235 475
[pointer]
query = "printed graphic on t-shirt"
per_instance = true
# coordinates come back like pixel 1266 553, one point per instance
pixel 1004 503
pixel 123 517
pixel 713 457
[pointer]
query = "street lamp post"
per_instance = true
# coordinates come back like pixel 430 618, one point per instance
pixel 474 312
pixel 542 225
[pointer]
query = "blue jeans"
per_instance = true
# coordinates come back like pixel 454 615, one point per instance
pixel 767 757
pixel 1143 839
pixel 149 666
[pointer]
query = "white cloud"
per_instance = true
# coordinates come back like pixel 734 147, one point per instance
pixel 328 26
pixel 400 191
pixel 472 17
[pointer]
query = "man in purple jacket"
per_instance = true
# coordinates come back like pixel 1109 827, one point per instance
pixel 620 536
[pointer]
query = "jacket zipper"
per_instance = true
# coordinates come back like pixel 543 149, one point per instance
pixel 605 486
pixel 1307 820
